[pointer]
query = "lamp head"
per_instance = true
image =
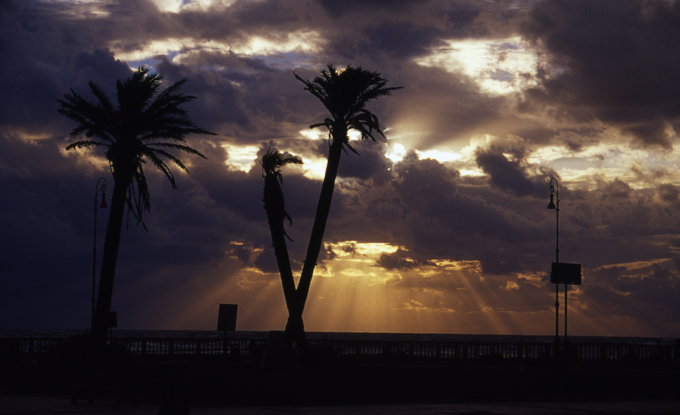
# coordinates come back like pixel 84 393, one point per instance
pixel 103 204
pixel 551 205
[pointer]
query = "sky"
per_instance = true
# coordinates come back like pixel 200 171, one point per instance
pixel 441 227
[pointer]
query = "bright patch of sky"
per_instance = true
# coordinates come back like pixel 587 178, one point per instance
pixel 609 161
pixel 498 66
pixel 241 158
pixel 176 6
pixel 396 152
pixel 290 50
pixel 314 168
pixel 462 160
pixel 357 259
pixel 85 8
pixel 369 249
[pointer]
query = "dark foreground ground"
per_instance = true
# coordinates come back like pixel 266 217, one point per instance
pixel 323 383
pixel 38 405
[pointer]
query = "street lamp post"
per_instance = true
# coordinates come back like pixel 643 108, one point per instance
pixel 555 194
pixel 100 187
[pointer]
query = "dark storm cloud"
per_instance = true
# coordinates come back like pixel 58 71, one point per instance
pixel 336 7
pixel 509 175
pixel 45 62
pixel 423 208
pixel 399 261
pixel 494 266
pixel 407 37
pixel 403 39
pixel 221 102
pixel 369 163
pixel 620 62
pixel 653 288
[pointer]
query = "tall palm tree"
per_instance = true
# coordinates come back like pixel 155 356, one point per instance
pixel 275 206
pixel 345 94
pixel 143 126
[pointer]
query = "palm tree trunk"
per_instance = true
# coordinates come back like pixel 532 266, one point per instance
pixel 323 209
pixel 274 206
pixel 109 260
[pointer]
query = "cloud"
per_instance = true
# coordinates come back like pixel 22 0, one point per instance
pixel 399 261
pixel 509 175
pixel 610 61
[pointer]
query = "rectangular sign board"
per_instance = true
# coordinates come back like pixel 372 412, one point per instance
pixel 565 273
pixel 226 317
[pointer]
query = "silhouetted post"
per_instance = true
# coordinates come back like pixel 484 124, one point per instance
pixel 100 187
pixel 555 193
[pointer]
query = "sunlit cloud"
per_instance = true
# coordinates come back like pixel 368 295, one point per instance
pixel 498 66
pixel 240 157
pixel 280 49
pixel 357 259
pixel 86 158
pixel 463 160
pixel 314 167
pixel 609 161
pixel 396 152
pixel 28 137
pixel 439 155
pixel 313 134
pixel 84 9
pixel 637 265
pixel 371 250
pixel 176 6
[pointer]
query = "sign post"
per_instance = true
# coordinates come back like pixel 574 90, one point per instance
pixel 226 321
pixel 565 273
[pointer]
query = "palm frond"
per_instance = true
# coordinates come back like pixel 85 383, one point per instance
pixel 345 94
pixel 84 144
pixel 145 124
pixel 273 161
pixel 160 165
pixel 180 147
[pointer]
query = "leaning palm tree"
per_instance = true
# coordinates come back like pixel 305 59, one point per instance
pixel 143 126
pixel 345 94
pixel 275 206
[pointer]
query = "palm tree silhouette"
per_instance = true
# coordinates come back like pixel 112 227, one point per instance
pixel 143 126
pixel 345 94
pixel 274 205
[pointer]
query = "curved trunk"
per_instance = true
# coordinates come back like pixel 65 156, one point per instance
pixel 110 258
pixel 275 208
pixel 316 238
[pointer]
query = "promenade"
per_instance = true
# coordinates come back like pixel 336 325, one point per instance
pixel 41 376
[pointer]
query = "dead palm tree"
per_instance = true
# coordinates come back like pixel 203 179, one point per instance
pixel 143 126
pixel 345 94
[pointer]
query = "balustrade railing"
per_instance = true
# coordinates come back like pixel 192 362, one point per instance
pixel 420 350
